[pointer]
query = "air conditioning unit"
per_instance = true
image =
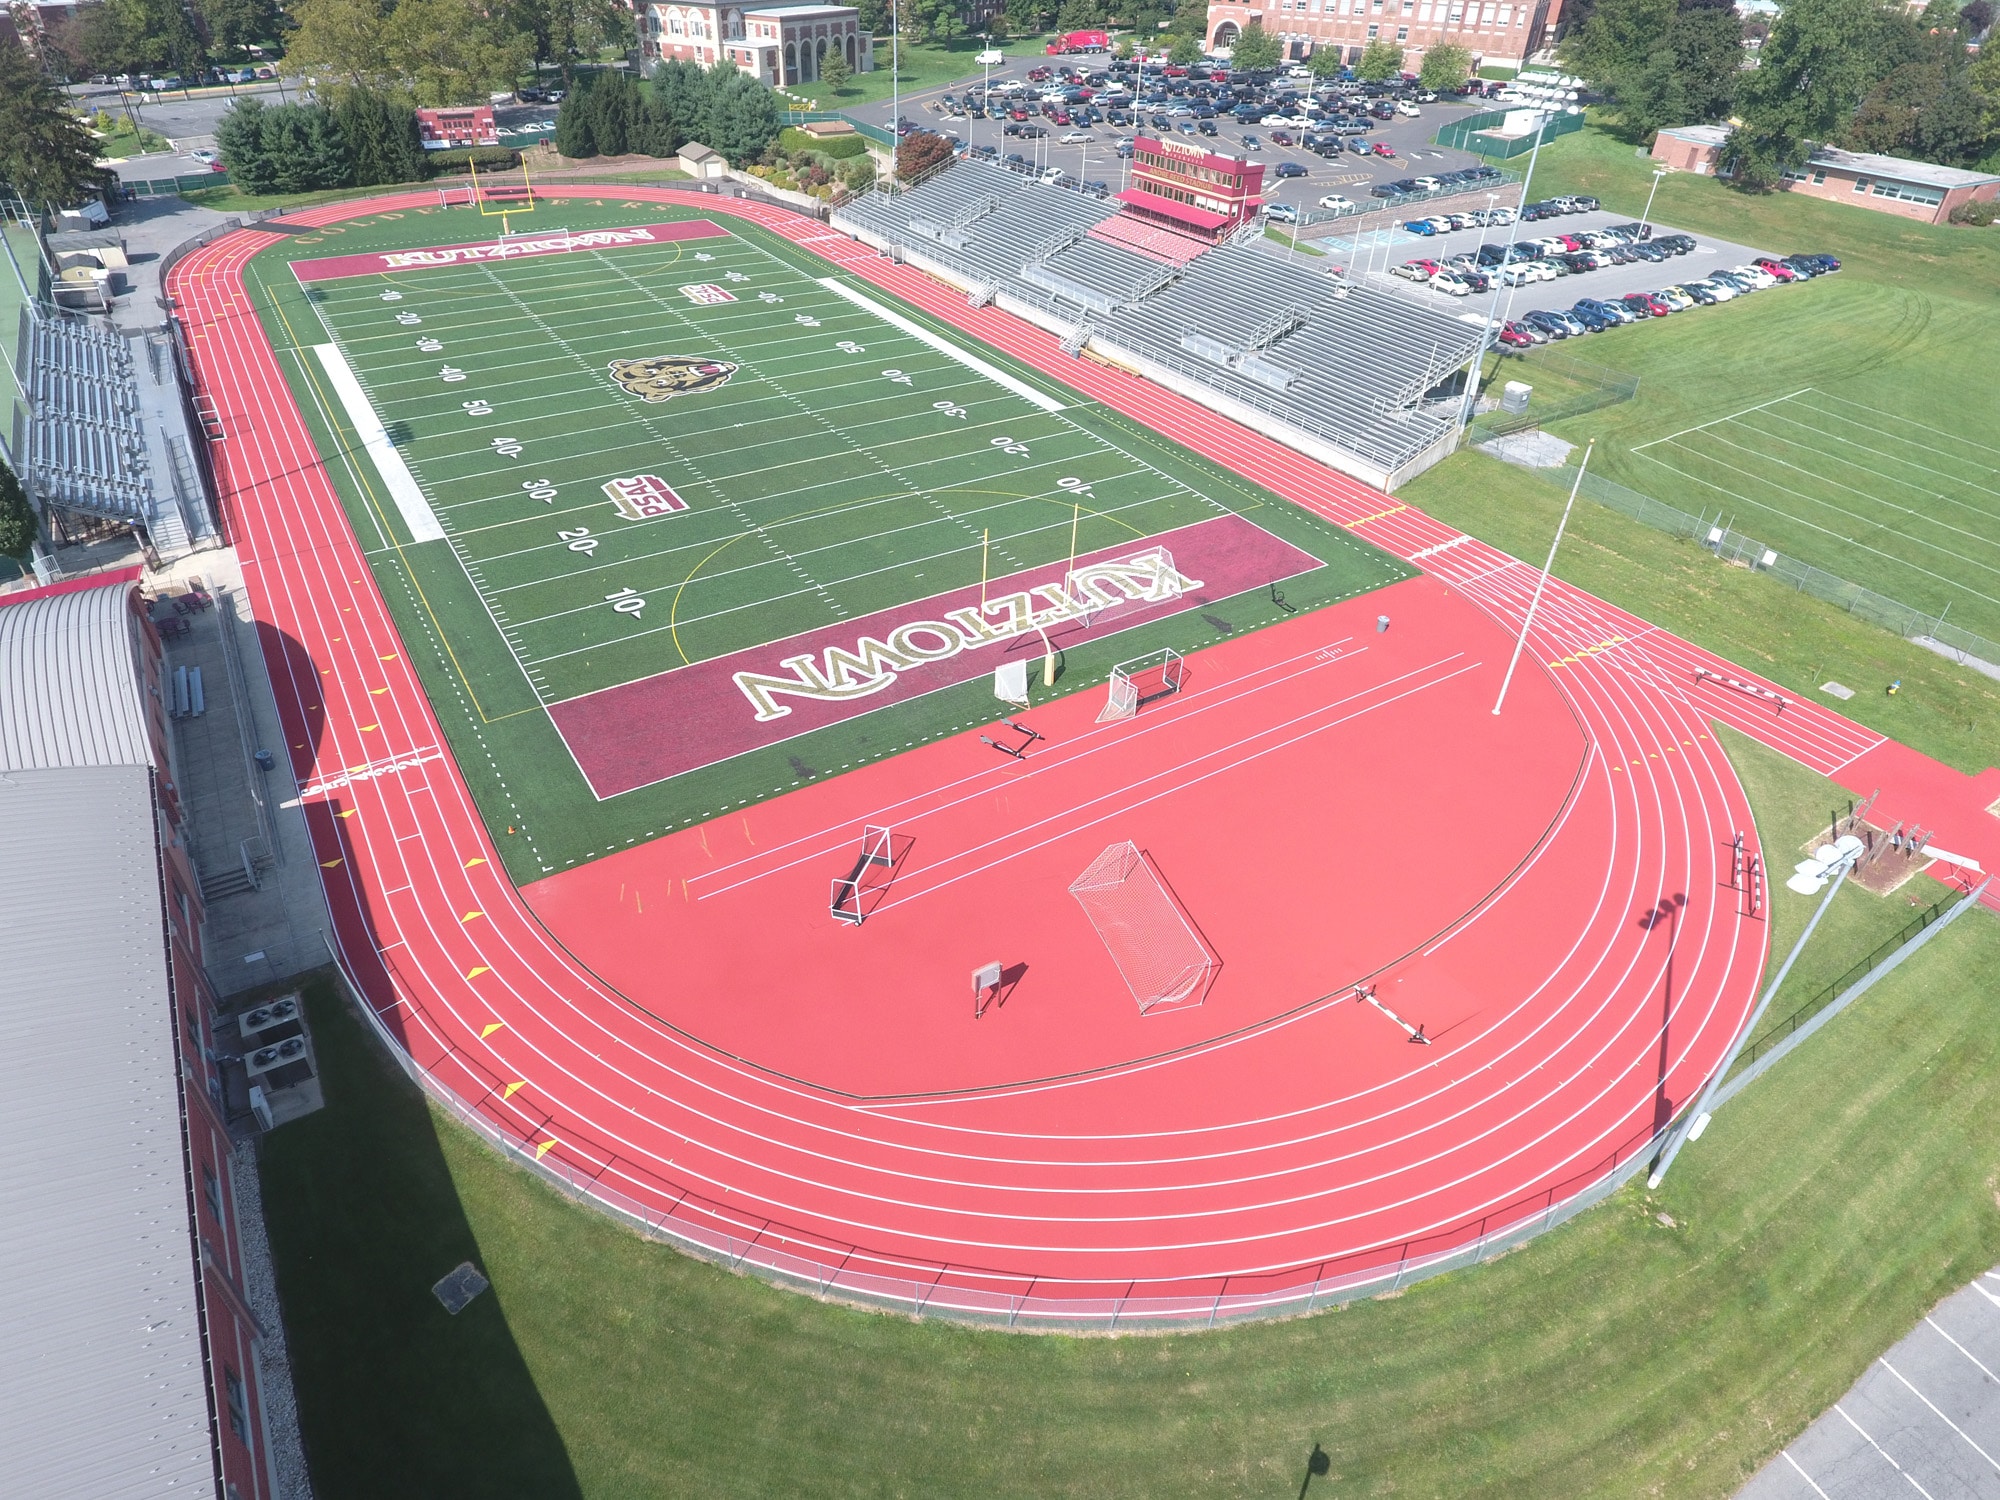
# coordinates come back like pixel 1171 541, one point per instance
pixel 268 1017
pixel 263 1060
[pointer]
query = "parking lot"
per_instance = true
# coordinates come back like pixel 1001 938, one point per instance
pixel 1095 160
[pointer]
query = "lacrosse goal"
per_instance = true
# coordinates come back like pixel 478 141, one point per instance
pixel 860 889
pixel 1162 959
pixel 1140 681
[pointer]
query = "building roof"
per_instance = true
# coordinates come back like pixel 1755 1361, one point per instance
pixel 1187 213
pixel 68 665
pixel 800 12
pixel 1700 135
pixel 1896 167
pixel 103 1391
pixel 696 151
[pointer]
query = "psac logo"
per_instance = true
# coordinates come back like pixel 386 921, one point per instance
pixel 707 294
pixel 1148 577
pixel 644 496
pixel 661 377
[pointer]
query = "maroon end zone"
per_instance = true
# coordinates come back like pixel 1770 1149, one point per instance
pixel 334 267
pixel 637 733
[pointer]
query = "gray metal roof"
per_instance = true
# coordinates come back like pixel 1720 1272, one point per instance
pixel 1897 168
pixel 102 1388
pixel 68 665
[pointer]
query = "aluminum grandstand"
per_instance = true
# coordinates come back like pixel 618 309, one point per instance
pixel 1353 376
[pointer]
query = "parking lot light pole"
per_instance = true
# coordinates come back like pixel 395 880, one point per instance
pixel 1647 217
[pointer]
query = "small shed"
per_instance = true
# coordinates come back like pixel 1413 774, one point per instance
pixel 702 162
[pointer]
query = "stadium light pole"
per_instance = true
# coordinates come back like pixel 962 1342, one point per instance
pixel 1647 217
pixel 1513 237
pixel 895 92
pixel 1542 582
pixel 1486 334
pixel 1695 1121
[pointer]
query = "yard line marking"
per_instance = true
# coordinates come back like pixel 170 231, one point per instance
pixel 402 486
pixel 944 346
pixel 1805 391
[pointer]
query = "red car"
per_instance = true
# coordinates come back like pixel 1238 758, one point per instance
pixel 1646 305
pixel 1279 138
pixel 1514 336
pixel 1383 148
pixel 1777 268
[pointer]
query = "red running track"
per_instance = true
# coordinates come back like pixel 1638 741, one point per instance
pixel 1270 1147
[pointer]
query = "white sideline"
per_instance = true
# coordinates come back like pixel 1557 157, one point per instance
pixel 416 510
pixel 943 346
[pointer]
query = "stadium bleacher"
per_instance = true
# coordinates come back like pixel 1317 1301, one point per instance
pixel 1346 372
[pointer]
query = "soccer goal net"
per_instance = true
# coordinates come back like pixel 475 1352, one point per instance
pixel 1159 955
pixel 1140 681
pixel 1116 585
pixel 857 892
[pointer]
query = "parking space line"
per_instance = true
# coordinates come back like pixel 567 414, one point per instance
pixel 1823 1495
pixel 1883 1451
pixel 1995 1464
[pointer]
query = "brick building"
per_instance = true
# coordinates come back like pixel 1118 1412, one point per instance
pixel 1887 184
pixel 457 129
pixel 778 44
pixel 132 1354
pixel 1498 33
pixel 1189 188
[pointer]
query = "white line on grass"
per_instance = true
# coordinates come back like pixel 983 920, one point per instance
pixel 374 438
pixel 944 346
pixel 1808 390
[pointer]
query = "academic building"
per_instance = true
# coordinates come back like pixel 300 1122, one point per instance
pixel 1505 34
pixel 777 44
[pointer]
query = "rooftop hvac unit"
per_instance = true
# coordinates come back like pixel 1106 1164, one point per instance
pixel 266 1059
pixel 268 1017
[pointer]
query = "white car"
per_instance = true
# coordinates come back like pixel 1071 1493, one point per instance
pixel 1335 201
pixel 1722 291
pixel 1451 283
pixel 1281 213
pixel 205 156
pixel 1407 109
pixel 1050 174
pixel 1076 137
pixel 1527 273
pixel 1760 277
pixel 1289 122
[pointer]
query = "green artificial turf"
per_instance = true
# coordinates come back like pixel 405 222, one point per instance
pixel 1664 1344
pixel 1874 450
pixel 844 468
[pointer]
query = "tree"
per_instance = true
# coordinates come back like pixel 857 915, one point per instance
pixel 46 154
pixel 1079 15
pixel 1184 50
pixel 834 73
pixel 1379 60
pixel 920 153
pixel 1256 49
pixel 1810 77
pixel 285 148
pixel 1977 16
pixel 740 117
pixel 450 52
pixel 1123 51
pixel 18 525
pixel 381 135
pixel 340 43
pixel 1621 42
pixel 1324 60
pixel 565 32
pixel 235 24
pixel 576 128
pixel 1445 67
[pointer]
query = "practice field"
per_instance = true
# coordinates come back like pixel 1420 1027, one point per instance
pixel 688 525
pixel 1910 510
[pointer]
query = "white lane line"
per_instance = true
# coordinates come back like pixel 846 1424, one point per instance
pixel 1961 1348
pixel 943 346
pixel 416 510
pixel 1823 1495
pixel 1879 1449
pixel 1994 1463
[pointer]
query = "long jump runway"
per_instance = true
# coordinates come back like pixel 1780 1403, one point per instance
pixel 683 1033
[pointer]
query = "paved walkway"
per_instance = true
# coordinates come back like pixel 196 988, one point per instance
pixel 1922 1424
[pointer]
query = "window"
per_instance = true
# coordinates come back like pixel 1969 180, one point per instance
pixel 1861 184
pixel 1402 33
pixel 1409 6
pixel 1373 32
pixel 1425 13
pixel 239 1410
pixel 211 1191
pixel 1457 14
pixel 1909 194
pixel 1506 15
pixel 1819 174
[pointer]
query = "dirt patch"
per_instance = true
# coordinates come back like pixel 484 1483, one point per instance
pixel 1882 868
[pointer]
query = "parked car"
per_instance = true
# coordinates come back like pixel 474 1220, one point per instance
pixel 1554 325
pixel 1775 267
pixel 1593 321
pixel 1076 137
pixel 1335 201
pixel 1282 213
pixel 1646 305
pixel 1423 227
pixel 1527 273
pixel 1708 292
pixel 1428 184
pixel 1383 148
pixel 1361 148
pixel 1416 270
pixel 1517 336
pixel 1288 169
pixel 1452 283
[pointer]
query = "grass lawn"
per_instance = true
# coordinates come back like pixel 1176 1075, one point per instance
pixel 1944 709
pixel 1626 1353
pixel 925 66
pixel 121 141
pixel 1881 472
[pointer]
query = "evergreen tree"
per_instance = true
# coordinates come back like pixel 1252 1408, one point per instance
pixel 45 153
pixel 741 115
pixel 18 525
pixel 240 137
pixel 289 148
pixel 576 126
pixel 616 113
pixel 383 145
pixel 834 72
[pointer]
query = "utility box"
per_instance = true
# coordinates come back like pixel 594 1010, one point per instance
pixel 1514 396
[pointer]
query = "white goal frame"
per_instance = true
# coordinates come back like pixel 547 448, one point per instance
pixel 1164 961
pixel 1142 680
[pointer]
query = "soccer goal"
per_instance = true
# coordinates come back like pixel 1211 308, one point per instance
pixel 857 892
pixel 1114 585
pixel 1162 959
pixel 1142 680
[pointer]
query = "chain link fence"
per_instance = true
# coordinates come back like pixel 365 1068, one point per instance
pixel 1466 134
pixel 1565 386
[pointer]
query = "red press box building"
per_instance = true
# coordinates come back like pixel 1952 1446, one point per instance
pixel 132 1351
pixel 457 129
pixel 1186 187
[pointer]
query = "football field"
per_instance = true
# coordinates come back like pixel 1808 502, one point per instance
pixel 612 465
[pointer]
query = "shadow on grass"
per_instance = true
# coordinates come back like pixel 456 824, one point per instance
pixel 396 1397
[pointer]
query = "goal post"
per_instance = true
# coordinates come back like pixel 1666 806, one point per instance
pixel 874 867
pixel 1116 585
pixel 1164 962
pixel 1142 680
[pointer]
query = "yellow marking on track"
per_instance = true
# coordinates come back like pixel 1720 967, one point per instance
pixel 543 1149
pixel 390 657
pixel 348 814
pixel 1380 515
pixel 470 915
pixel 475 971
pixel 370 728
pixel 509 1091
pixel 377 692
pixel 491 1027
pixel 475 860
pixel 328 864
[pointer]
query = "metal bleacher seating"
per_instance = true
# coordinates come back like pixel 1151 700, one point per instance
pixel 1355 368
pixel 86 444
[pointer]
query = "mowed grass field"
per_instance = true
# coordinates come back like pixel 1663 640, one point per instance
pixel 1662 1344
pixel 1849 421
pixel 823 462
